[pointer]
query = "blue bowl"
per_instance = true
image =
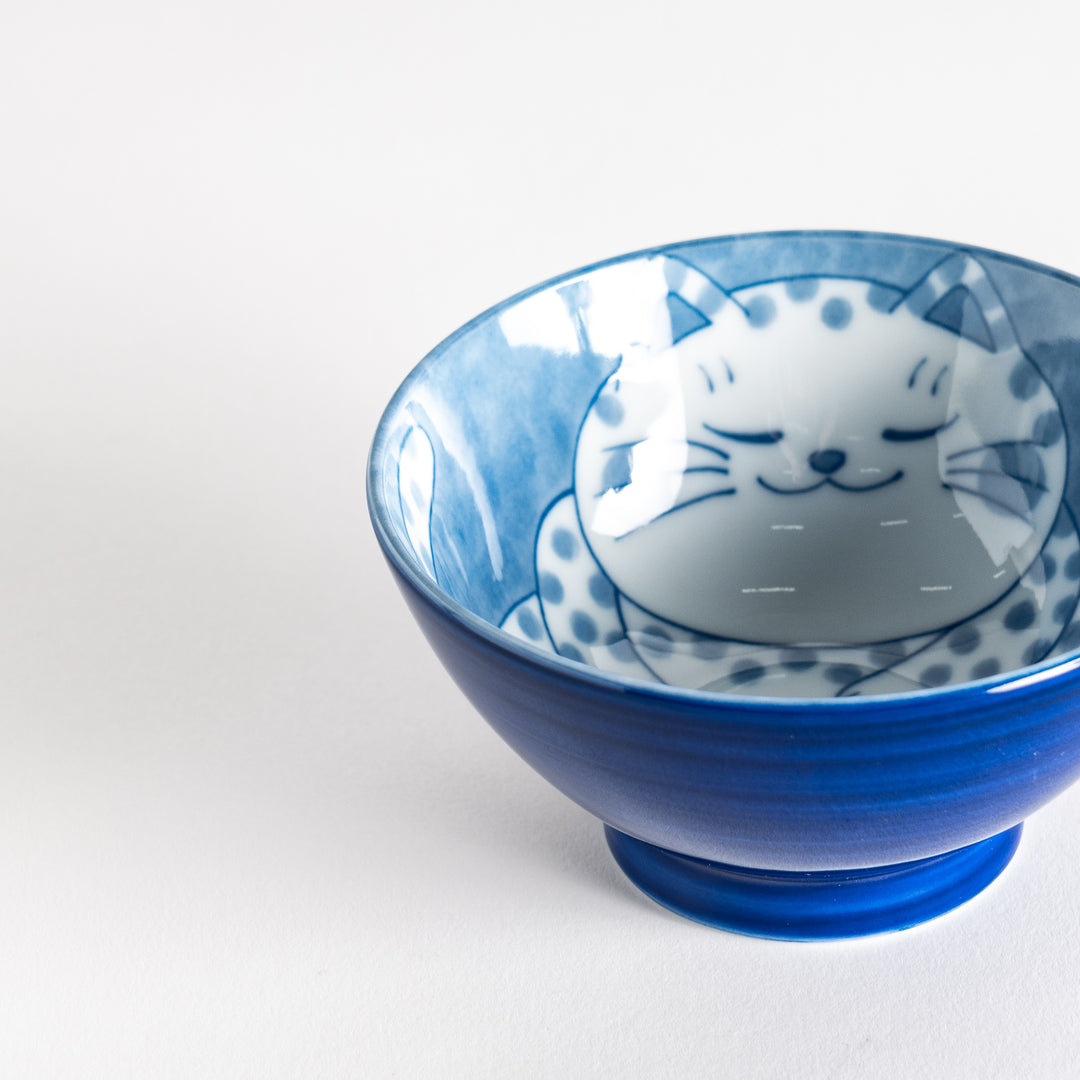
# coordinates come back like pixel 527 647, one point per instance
pixel 762 550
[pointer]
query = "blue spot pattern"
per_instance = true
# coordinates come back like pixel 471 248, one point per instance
pixel 761 311
pixel 530 625
pixel 964 639
pixel 1020 616
pixel 746 671
pixel 801 289
pixel 882 298
pixel 602 591
pixel 984 669
pixel 842 674
pixel 610 409
pixel 657 639
pixel 1037 650
pixel 551 588
pixel 1048 429
pixel 564 543
pixel 798 659
pixel 936 675
pixel 1063 609
pixel 836 313
pixel 709 648
pixel 618 469
pixel 571 652
pixel 1024 381
pixel 583 627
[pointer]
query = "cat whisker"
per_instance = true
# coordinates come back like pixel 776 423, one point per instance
pixel 761 438
pixel 708 446
pixel 678 506
pixel 999 503
pixel 999 472
pixel 667 442
pixel 995 446
pixel 708 469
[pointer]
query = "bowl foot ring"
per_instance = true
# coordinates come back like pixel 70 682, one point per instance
pixel 817 905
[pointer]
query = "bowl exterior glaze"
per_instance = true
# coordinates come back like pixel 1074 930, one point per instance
pixel 783 786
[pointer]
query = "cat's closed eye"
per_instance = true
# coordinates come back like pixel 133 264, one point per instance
pixel 760 437
pixel 913 435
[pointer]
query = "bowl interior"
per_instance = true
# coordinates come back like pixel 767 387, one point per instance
pixel 807 465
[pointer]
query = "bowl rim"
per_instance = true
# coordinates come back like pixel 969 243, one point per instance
pixel 1011 681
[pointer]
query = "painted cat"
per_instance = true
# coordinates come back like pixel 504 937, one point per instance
pixel 812 485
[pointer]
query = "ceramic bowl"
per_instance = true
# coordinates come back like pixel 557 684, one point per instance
pixel 762 549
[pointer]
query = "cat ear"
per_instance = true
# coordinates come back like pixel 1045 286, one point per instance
pixel 959 295
pixel 694 299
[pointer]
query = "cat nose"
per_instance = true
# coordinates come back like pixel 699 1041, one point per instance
pixel 827 461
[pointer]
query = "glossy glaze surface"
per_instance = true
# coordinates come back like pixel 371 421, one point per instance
pixel 860 730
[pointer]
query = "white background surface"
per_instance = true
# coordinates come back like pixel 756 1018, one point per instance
pixel 248 828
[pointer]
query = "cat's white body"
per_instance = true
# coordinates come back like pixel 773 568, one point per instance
pixel 818 483
pixel 739 537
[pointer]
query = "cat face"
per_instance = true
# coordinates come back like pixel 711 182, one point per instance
pixel 822 463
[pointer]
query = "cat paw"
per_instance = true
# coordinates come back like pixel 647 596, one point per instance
pixel 525 621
